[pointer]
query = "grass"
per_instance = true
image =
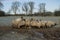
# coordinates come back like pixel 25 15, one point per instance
pixel 48 33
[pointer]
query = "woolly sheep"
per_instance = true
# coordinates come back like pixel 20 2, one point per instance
pixel 43 24
pixel 35 24
pixel 27 22
pixel 39 24
pixel 17 22
pixel 21 23
pixel 50 24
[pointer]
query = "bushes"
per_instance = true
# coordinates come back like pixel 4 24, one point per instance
pixel 2 13
pixel 57 13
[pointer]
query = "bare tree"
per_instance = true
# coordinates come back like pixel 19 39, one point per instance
pixel 15 6
pixel 1 5
pixel 25 8
pixel 42 7
pixel 31 6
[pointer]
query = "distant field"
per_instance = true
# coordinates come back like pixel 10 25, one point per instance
pixel 6 21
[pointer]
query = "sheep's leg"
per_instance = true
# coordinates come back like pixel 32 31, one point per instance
pixel 40 26
pixel 25 26
pixel 12 26
pixel 28 27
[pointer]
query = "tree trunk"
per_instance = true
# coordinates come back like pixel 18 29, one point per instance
pixel 15 12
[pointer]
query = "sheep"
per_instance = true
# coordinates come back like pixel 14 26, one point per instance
pixel 17 22
pixel 39 24
pixel 42 24
pixel 21 24
pixel 45 24
pixel 35 24
pixel 50 24
pixel 27 22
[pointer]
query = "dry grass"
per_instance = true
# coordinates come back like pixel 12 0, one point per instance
pixel 48 33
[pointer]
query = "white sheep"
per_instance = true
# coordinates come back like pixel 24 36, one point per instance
pixel 27 22
pixel 50 24
pixel 17 22
pixel 35 24
pixel 21 24
pixel 39 24
pixel 43 24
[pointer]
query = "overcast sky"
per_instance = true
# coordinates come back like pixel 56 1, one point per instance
pixel 51 5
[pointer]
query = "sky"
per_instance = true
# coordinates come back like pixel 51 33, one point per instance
pixel 51 5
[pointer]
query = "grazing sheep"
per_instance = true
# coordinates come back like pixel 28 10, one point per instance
pixel 39 24
pixel 27 22
pixel 50 24
pixel 35 24
pixel 17 22
pixel 43 24
pixel 21 24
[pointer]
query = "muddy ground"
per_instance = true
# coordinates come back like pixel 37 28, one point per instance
pixel 9 33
